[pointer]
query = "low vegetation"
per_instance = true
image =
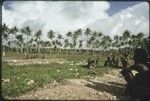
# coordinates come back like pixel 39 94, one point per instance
pixel 24 78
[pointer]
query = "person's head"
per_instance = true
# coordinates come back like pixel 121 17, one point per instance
pixel 125 55
pixel 140 56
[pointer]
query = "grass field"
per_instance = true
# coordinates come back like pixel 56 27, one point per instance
pixel 24 78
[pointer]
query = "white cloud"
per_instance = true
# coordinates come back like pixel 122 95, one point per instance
pixel 59 16
pixel 135 19
pixel 64 16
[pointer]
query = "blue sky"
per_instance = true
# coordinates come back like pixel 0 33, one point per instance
pixel 116 6
pixel 109 17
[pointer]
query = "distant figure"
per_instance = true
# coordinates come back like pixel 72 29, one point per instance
pixel 113 60
pixel 91 64
pixel 117 62
pixel 124 61
pixel 138 86
pixel 108 62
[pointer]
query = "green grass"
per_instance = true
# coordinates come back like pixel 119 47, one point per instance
pixel 41 74
pixel 69 57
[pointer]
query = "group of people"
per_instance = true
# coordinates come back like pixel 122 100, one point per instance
pixel 138 85
pixel 91 64
pixel 111 61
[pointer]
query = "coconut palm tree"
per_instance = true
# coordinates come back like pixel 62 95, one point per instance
pixel 80 44
pixel 136 41
pixel 54 44
pixel 59 42
pixel 19 42
pixel 92 41
pixel 116 40
pixel 50 35
pixel 69 34
pixel 140 37
pixel 38 35
pixel 76 35
pixel 133 42
pixel 31 45
pixel 66 44
pixel 87 34
pixel 71 48
pixel 106 41
pixel 5 36
pixel 100 34
pixel 27 32
pixel 12 32
pixel 116 43
pixel 125 39
pixel 96 44
pixel 5 32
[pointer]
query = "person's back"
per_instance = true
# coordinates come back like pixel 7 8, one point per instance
pixel 143 82
pixel 91 64
pixel 107 62
pixel 124 61
pixel 117 62
pixel 113 60
pixel 139 86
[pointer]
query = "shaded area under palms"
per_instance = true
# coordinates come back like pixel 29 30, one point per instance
pixel 113 88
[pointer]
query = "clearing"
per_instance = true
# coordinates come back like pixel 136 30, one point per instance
pixel 107 87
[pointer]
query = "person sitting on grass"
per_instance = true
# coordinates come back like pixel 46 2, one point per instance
pixel 91 64
pixel 113 60
pixel 138 86
pixel 108 62
pixel 124 61
pixel 117 62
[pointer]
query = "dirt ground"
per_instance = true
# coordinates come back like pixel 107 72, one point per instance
pixel 107 87
pixel 39 61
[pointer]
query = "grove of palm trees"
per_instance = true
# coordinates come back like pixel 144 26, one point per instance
pixel 25 40
pixel 30 62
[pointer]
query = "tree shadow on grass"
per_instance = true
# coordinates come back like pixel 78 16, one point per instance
pixel 115 90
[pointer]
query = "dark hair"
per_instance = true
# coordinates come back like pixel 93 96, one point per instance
pixel 140 55
pixel 125 55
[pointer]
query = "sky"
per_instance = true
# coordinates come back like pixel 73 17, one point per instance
pixel 116 6
pixel 112 18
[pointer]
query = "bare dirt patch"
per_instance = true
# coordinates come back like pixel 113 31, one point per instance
pixel 108 87
pixel 40 61
pixel 33 61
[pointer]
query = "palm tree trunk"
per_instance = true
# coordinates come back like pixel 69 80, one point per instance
pixel 3 51
pixel 38 49
pixel 50 51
